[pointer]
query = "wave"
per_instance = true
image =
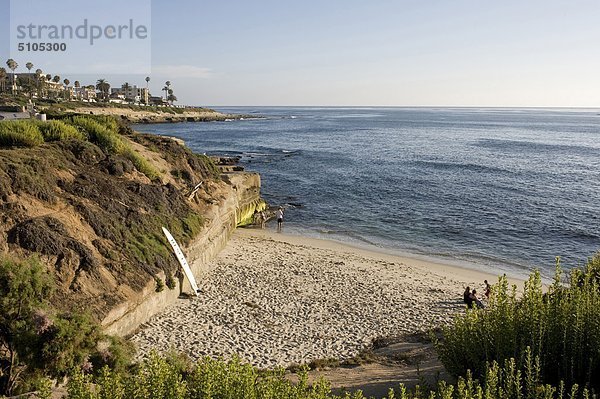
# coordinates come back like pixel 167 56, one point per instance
pixel 532 146
pixel 345 233
pixel 461 166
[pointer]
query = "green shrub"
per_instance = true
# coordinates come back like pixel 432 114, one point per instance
pixel 35 339
pixel 209 165
pixel 562 328
pixel 104 136
pixel 173 377
pixel 160 286
pixel 58 131
pixel 20 134
pixel 141 164
pixel 104 132
pixel 170 282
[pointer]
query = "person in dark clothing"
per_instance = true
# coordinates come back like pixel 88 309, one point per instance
pixel 467 298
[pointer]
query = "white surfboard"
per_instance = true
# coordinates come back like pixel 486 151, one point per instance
pixel 182 261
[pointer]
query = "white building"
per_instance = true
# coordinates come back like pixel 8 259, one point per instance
pixel 131 93
pixel 87 93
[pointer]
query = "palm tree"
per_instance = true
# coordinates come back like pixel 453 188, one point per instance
pixel 168 86
pixel 3 76
pixel 103 87
pixel 54 90
pixel 12 65
pixel 67 82
pixel 29 67
pixel 39 75
pixel 77 92
pixel 147 92
pixel 171 98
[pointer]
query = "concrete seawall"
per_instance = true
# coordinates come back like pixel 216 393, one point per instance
pixel 240 198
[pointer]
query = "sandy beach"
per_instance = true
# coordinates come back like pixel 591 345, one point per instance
pixel 277 300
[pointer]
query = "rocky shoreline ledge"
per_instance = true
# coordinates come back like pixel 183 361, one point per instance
pixel 168 115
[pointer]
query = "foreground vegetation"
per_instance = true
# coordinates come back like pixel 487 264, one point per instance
pixel 561 328
pixel 36 340
pixel 170 378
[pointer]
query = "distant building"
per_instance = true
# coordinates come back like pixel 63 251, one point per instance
pixel 87 93
pixel 53 87
pixel 158 101
pixel 131 93
pixel 116 98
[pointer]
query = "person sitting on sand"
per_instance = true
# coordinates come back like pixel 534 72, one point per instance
pixel 488 289
pixel 467 297
pixel 475 299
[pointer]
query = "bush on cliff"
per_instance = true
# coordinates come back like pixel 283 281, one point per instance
pixel 104 132
pixel 20 134
pixel 562 328
pixel 59 131
pixel 103 135
pixel 34 339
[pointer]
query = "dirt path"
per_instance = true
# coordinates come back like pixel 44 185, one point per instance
pixel 410 360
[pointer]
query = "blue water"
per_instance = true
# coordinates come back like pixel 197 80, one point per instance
pixel 497 189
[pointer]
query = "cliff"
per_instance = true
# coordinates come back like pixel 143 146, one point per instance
pixel 95 219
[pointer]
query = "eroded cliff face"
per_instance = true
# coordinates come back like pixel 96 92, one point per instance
pixel 95 221
pixel 230 203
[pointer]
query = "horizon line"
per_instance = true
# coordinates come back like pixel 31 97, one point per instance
pixel 411 106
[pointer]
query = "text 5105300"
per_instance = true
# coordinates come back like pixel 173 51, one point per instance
pixel 34 46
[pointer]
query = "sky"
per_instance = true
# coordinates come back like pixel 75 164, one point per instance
pixel 374 53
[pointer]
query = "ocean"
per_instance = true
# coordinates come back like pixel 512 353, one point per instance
pixel 499 190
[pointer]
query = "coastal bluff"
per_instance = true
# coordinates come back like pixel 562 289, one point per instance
pixel 138 114
pixel 94 218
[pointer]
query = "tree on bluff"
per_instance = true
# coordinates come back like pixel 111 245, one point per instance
pixel 23 289
pixel 34 340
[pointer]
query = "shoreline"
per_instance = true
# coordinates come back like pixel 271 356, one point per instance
pixel 276 300
pixel 451 266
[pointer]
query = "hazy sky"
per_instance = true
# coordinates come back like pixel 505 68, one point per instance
pixel 377 52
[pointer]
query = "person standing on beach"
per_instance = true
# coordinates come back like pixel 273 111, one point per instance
pixel 263 219
pixel 279 215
